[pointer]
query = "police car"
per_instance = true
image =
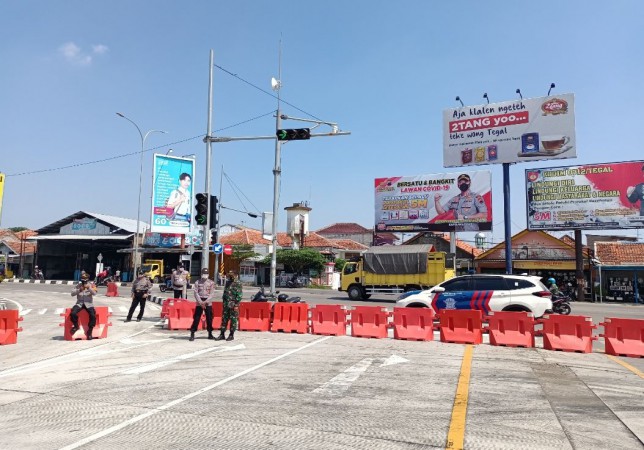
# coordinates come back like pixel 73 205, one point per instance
pixel 484 292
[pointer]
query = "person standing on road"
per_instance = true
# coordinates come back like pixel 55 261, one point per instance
pixel 179 282
pixel 231 298
pixel 204 294
pixel 140 291
pixel 84 292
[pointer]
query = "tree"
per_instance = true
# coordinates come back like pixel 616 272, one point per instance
pixel 242 252
pixel 339 264
pixel 299 261
pixel 18 229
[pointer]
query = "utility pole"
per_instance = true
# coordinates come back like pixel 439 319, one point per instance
pixel 277 171
pixel 205 236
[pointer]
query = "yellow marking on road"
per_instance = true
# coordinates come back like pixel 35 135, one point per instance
pixel 635 370
pixel 456 434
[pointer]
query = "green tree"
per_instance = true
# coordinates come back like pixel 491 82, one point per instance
pixel 339 264
pixel 242 252
pixel 299 261
pixel 18 229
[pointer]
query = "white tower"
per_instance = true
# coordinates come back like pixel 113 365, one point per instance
pixel 297 222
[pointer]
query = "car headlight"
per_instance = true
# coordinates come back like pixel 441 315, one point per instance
pixel 407 294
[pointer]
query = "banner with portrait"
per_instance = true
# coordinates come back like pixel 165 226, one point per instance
pixel 172 198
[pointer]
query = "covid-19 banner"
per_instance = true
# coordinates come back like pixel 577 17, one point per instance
pixel 437 202
pixel 509 132
pixel 592 196
pixel 172 194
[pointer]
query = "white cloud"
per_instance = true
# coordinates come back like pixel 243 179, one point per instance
pixel 75 55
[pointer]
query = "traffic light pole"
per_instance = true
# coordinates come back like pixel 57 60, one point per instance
pixel 205 236
pixel 277 172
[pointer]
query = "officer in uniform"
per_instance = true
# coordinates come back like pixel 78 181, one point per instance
pixel 636 193
pixel 84 292
pixel 204 294
pixel 140 291
pixel 467 205
pixel 231 298
pixel 179 282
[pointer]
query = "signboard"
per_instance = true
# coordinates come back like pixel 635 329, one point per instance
pixel 172 200
pixel 217 249
pixel 2 177
pixel 510 132
pixel 593 196
pixel 169 240
pixel 437 202
pixel 85 223
pixel 228 249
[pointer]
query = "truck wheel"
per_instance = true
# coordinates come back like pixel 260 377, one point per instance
pixel 355 292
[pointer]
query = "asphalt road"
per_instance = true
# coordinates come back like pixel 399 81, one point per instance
pixel 147 387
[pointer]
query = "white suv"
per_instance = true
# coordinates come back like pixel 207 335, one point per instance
pixel 484 292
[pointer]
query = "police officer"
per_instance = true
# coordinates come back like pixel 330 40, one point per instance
pixel 467 205
pixel 179 282
pixel 231 298
pixel 204 294
pixel 140 291
pixel 84 292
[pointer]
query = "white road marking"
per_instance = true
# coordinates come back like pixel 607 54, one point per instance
pixel 340 383
pixel 24 312
pixel 42 311
pixel 169 405
pixel 14 302
pixel 176 359
pixel 123 309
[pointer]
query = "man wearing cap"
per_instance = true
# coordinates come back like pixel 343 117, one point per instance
pixel 466 206
pixel 84 292
pixel 180 282
pixel 204 294
pixel 140 291
pixel 231 298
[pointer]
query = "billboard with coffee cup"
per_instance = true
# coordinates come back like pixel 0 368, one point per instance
pixel 509 132
pixel 436 202
pixel 591 196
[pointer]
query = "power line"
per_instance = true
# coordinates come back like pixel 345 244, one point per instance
pixel 125 155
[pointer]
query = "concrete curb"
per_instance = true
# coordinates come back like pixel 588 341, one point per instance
pixel 22 280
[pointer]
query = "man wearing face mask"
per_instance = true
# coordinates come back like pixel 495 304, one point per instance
pixel 466 206
pixel 231 298
pixel 204 294
pixel 84 292
pixel 140 292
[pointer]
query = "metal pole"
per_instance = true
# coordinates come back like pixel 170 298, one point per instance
pixel 205 252
pixel 601 294
pixel 277 171
pixel 579 267
pixel 221 176
pixel 507 219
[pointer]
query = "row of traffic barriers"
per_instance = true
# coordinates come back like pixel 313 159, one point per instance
pixel 623 337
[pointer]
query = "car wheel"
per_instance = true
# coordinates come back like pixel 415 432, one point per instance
pixel 355 292
pixel 516 308
pixel 416 305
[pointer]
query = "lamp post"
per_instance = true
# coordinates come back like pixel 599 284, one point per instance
pixel 138 206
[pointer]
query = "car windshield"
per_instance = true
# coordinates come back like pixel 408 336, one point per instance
pixel 146 267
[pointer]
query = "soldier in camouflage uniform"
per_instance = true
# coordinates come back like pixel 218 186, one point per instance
pixel 467 205
pixel 232 297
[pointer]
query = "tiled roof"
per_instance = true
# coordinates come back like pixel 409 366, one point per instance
pixel 348 244
pixel 568 240
pixel 463 245
pixel 620 253
pixel 12 240
pixel 254 237
pixel 312 240
pixel 344 228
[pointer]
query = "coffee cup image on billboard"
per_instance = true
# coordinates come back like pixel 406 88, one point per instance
pixel 179 200
pixel 467 205
pixel 533 144
pixel 636 194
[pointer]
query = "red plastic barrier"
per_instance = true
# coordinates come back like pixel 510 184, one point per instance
pixel 414 324
pixel 624 337
pixel 512 329
pixel 112 290
pixel 99 331
pixel 329 320
pixel 291 317
pixel 181 314
pixel 369 321
pixel 165 306
pixel 568 333
pixel 461 326
pixel 255 316
pixel 9 328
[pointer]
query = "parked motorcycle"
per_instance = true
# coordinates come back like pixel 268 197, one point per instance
pixel 166 284
pixel 262 296
pixel 561 304
pixel 284 298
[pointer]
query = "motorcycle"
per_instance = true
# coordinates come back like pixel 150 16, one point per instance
pixel 284 298
pixel 166 285
pixel 561 304
pixel 261 296
pixel 102 281
pixel 296 282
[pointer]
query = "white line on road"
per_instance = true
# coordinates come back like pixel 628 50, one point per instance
pixel 169 405
pixel 14 302
pixel 42 311
pixel 123 309
pixel 176 359
pixel 24 312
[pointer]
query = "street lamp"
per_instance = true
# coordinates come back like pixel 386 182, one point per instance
pixel 138 207
pixel 250 214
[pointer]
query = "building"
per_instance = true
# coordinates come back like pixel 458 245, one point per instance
pixel 619 271
pixel 357 233
pixel 17 253
pixel 465 253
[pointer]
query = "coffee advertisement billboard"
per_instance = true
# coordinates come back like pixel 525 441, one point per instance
pixel 591 196
pixel 437 202
pixel 510 132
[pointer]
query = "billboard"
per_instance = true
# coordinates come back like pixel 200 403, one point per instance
pixel 172 198
pixel 510 132
pixel 436 202
pixel 1 191
pixel 591 196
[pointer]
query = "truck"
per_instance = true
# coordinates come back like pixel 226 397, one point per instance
pixel 153 269
pixel 394 269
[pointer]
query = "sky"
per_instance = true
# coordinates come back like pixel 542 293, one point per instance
pixel 383 70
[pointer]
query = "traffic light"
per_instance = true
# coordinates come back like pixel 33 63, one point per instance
pixel 296 134
pixel 213 237
pixel 202 208
pixel 214 211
